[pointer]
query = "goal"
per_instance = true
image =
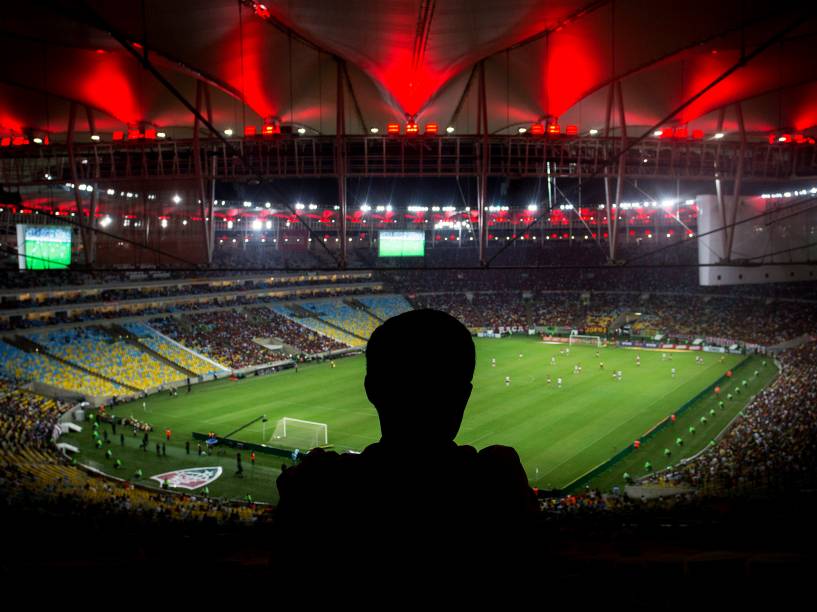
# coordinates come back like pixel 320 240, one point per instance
pixel 579 339
pixel 296 433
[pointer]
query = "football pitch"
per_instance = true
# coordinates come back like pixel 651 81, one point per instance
pixel 560 433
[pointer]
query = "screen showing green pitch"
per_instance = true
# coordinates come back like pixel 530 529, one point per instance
pixel 46 247
pixel 401 244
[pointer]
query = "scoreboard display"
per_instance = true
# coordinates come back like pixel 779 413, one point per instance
pixel 44 247
pixel 401 244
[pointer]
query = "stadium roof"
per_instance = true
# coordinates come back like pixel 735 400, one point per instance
pixel 278 61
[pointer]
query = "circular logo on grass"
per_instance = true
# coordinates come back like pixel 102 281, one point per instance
pixel 191 478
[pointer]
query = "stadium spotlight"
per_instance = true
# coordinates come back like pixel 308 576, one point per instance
pixel 449 129
pixel 374 130
pixel 533 207
pixel 161 135
pixel 267 204
pixel 269 225
pixel 95 137
pixel 658 133
pixel 593 132
pixel 719 135
pixel 256 225
pixel 37 140
pixel 163 223
pixel 228 132
pixel 184 221
pixel 302 130
pixel 177 198
pixel 522 130
pixel 229 225
pixel 105 221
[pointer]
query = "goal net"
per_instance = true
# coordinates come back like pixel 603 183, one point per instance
pixel 588 340
pixel 296 433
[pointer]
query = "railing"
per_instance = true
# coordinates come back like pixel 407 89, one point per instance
pixel 306 157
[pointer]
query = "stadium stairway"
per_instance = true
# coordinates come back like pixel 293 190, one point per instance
pixel 358 305
pixel 29 346
pixel 117 332
pixel 623 319
pixel 304 313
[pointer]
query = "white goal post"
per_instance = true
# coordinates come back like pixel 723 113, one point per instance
pixel 580 339
pixel 297 433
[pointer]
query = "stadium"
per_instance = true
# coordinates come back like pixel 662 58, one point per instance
pixel 208 208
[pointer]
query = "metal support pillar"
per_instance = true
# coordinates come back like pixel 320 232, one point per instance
pixel 91 122
pixel 210 219
pixel 69 143
pixel 718 184
pixel 92 208
pixel 200 190
pixel 482 186
pixel 608 208
pixel 730 229
pixel 340 165
pixel 621 171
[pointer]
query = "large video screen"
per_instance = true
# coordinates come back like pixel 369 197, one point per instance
pixel 401 244
pixel 44 247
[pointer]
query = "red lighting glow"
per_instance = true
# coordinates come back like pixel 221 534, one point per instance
pixel 393 129
pixel 681 133
pixel 537 129
pixel 572 130
pixel 119 135
pixel 261 10
pixel 249 130
pixel 412 129
pixel 432 128
pixel 554 129
pixel 697 134
pixel 666 132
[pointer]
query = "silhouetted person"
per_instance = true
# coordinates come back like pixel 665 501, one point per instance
pixel 415 485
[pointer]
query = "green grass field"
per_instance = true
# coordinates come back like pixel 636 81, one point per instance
pixel 560 434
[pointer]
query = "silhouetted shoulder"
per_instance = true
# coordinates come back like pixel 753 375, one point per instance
pixel 304 488
pixel 505 478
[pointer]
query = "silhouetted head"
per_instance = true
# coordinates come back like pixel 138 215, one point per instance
pixel 419 367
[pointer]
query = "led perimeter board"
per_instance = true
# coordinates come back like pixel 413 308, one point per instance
pixel 43 247
pixel 401 244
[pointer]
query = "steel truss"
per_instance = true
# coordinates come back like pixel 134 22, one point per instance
pixel 390 156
